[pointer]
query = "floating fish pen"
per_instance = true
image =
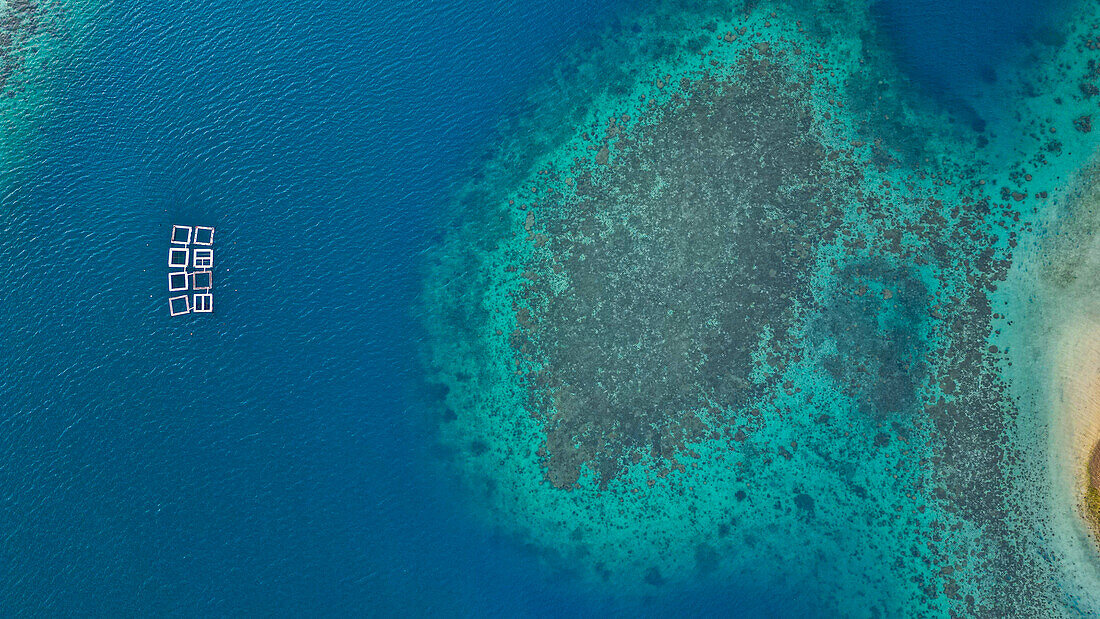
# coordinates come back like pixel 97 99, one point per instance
pixel 177 281
pixel 204 303
pixel 190 260
pixel 177 257
pixel 201 280
pixel 181 235
pixel 179 305
pixel 203 258
pixel 204 236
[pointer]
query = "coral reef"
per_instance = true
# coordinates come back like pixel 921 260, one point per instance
pixel 749 308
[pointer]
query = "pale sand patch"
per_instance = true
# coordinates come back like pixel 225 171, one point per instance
pixel 1077 399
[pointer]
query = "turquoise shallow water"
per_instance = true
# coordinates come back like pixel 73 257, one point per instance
pixel 544 309
pixel 754 317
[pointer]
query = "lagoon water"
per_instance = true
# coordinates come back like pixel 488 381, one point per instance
pixel 279 457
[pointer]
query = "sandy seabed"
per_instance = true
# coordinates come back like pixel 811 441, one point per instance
pixel 1073 410
pixel 1076 396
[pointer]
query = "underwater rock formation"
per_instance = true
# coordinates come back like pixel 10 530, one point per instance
pixel 19 20
pixel 663 270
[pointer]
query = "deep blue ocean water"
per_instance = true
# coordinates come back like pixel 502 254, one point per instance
pixel 274 458
pixel 953 49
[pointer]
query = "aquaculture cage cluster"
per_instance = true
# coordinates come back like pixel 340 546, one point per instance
pixel 190 270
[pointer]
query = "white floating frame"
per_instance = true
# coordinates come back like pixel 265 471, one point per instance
pixel 186 230
pixel 202 258
pixel 179 312
pixel 203 236
pixel 177 281
pixel 177 257
pixel 204 303
pixel 206 276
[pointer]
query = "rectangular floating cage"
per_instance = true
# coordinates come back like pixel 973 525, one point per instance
pixel 203 258
pixel 204 235
pixel 181 235
pixel 177 257
pixel 177 281
pixel 202 280
pixel 179 305
pixel 204 303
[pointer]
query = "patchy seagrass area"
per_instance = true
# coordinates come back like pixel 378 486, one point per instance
pixel 744 318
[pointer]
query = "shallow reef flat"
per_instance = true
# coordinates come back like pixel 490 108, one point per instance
pixel 1077 384
pixel 1053 295
pixel 33 35
pixel 19 21
pixel 735 307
